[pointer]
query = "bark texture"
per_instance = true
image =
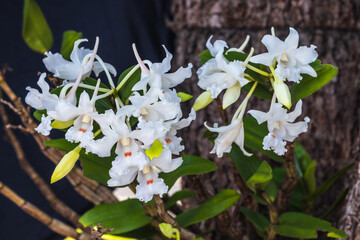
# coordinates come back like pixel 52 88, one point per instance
pixel 334 135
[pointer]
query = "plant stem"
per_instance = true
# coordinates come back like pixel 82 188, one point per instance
pixel 266 74
pixel 273 214
pixel 123 81
pixel 284 192
pixel 223 114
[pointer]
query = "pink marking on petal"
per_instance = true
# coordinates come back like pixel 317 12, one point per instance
pixel 141 63
pixel 82 130
pixel 76 84
pixel 148 182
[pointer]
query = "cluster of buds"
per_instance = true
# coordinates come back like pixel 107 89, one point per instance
pixel 285 61
pixel 142 149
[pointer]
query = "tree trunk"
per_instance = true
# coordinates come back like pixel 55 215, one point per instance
pixel 333 138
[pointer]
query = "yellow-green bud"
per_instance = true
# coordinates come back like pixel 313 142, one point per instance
pixel 65 165
pixel 166 229
pixel 202 100
pixel 282 93
pixel 62 125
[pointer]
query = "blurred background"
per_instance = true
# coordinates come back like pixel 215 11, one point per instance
pixel 184 26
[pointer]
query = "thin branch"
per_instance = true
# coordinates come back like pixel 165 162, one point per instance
pixel 17 127
pixel 284 192
pixel 162 213
pixel 40 183
pixel 223 114
pixel 273 213
pixel 12 107
pixel 52 223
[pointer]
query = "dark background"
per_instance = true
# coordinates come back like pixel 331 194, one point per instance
pixel 118 24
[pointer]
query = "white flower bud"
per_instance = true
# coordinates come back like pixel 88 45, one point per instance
pixel 282 93
pixel 231 95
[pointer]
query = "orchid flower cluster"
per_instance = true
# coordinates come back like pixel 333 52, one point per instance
pixel 143 149
pixel 285 62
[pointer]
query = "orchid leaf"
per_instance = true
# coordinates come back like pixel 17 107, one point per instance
pixel 67 44
pixel 214 206
pixel 35 30
pixel 123 216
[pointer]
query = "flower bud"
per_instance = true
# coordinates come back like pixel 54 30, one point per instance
pixel 282 93
pixel 231 95
pixel 184 96
pixel 65 165
pixel 202 100
pixel 62 125
pixel 166 229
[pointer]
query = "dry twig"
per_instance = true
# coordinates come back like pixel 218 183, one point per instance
pixel 52 223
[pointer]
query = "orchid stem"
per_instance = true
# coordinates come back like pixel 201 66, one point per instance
pixel 123 81
pixel 244 102
pixel 106 71
pixel 258 70
pixel 103 95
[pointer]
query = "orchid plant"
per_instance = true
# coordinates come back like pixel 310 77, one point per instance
pixel 126 134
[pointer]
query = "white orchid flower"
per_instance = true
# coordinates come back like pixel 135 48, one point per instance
pixel 292 60
pixel 217 47
pixel 85 113
pixel 281 125
pixel 148 108
pixel 156 75
pixel 43 100
pixel 218 73
pixel 149 182
pixel 234 132
pixel 45 125
pixel 116 131
pixel 170 139
pixel 70 70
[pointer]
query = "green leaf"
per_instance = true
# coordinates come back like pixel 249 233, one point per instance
pixel 67 44
pixel 205 56
pixel 335 204
pixel 260 222
pixel 38 114
pixel 101 105
pixel 126 90
pixel 245 165
pixel 254 135
pixel 328 183
pixel 180 195
pixel 191 165
pixel 309 177
pixel 145 232
pixel 299 225
pixel 302 158
pixel 35 30
pixel 123 216
pixel 263 174
pixel 214 206
pixel 95 167
pixel 260 91
pixel 308 85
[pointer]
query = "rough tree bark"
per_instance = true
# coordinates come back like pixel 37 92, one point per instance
pixel 333 26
